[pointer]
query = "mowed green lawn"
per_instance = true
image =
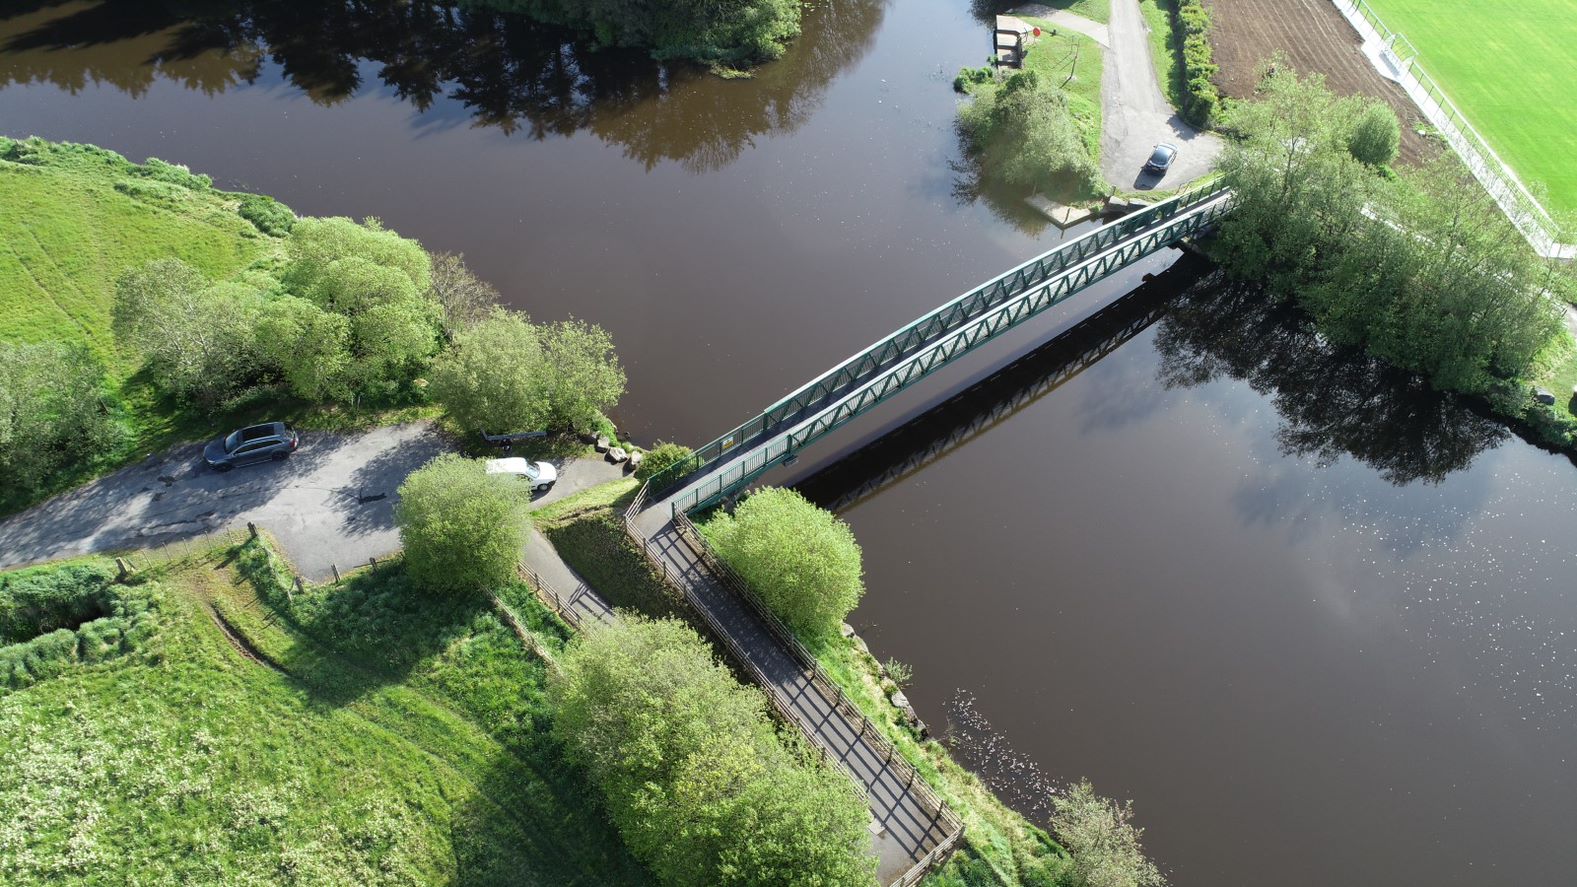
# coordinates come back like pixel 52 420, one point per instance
pixel 1511 66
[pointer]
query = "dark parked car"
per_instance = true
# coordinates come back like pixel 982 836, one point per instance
pixel 255 443
pixel 1161 159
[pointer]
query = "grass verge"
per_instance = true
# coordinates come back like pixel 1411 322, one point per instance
pixel 362 733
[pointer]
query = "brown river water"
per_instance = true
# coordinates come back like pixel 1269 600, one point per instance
pixel 1319 624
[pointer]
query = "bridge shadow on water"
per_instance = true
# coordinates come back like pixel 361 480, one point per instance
pixel 455 65
pixel 1331 401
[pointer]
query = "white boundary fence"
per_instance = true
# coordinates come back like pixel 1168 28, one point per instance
pixel 1397 59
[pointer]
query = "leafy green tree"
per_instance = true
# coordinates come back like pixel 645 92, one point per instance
pixel 309 346
pixel 1024 134
pixel 1376 135
pixel 51 412
pixel 660 458
pixel 692 771
pixel 1102 839
pixel 802 560
pixel 493 378
pixel 315 244
pixel 1297 187
pixel 195 337
pixel 583 378
pixel 381 283
pixel 1445 286
pixel 461 527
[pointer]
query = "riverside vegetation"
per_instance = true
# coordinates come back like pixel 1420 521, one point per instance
pixel 248 733
pixel 140 306
pixel 1417 266
pixel 1037 130
pixel 805 565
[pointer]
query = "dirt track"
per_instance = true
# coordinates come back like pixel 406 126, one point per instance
pixel 1315 38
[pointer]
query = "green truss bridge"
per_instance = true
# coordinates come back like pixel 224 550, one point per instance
pixel 724 467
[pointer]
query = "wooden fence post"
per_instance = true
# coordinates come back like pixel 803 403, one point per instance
pixel 335 568
pixel 252 529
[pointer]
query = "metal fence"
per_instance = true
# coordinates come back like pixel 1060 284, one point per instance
pixel 933 325
pixel 983 324
pixel 1515 200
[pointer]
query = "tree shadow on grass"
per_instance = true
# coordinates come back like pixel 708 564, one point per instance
pixel 372 630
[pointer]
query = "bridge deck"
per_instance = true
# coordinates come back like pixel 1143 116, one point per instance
pixel 875 377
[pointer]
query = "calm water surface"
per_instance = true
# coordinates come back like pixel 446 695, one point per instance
pixel 1320 625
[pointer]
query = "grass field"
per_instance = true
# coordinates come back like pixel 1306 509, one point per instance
pixel 75 218
pixel 361 734
pixel 1510 68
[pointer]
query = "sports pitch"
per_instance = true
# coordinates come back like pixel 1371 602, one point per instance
pixel 1511 67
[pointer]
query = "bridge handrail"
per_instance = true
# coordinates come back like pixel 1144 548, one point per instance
pixel 774 696
pixel 736 583
pixel 891 380
pixel 944 318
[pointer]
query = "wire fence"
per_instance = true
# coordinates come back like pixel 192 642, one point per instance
pixel 1399 54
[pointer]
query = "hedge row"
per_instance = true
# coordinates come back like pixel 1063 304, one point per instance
pixel 1200 100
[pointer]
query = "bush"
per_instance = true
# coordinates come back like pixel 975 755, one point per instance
pixel 1201 99
pixel 196 337
pixel 60 616
pixel 660 458
pixel 269 215
pixel 494 377
pixel 692 771
pixel 801 560
pixel 1103 841
pixel 722 31
pixel 1376 135
pixel 969 77
pixel 1024 134
pixel 51 412
pixel 174 174
pixel 462 528
pixel 38 601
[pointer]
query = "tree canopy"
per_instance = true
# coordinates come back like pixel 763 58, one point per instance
pixel 1422 269
pixel 462 528
pixel 693 772
pixel 505 374
pixel 1023 134
pixel 1102 839
pixel 722 31
pixel 51 411
pixel 803 561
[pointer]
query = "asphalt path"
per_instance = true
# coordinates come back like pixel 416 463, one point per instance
pixel 1136 116
pixel 331 503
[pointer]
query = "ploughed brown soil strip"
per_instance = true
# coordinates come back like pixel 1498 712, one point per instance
pixel 1316 39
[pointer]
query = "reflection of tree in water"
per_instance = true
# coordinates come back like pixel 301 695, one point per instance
pixel 504 70
pixel 1332 401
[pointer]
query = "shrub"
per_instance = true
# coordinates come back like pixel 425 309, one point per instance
pixel 969 77
pixel 38 601
pixel 1376 135
pixel 660 458
pixel 494 376
pixel 174 174
pixel 269 215
pixel 1103 841
pixel 462 528
pixel 692 771
pixel 51 411
pixel 802 560
pixel 1192 22
pixel 1024 134
pixel 61 616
